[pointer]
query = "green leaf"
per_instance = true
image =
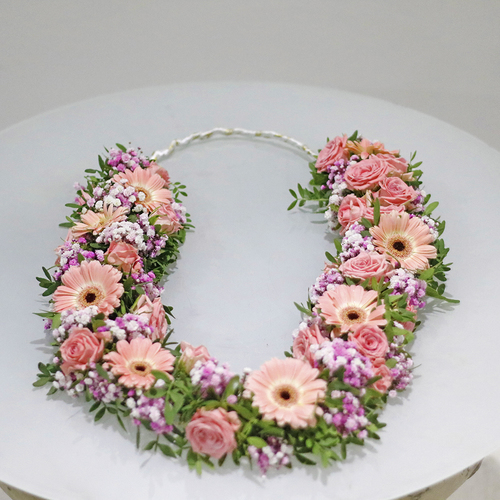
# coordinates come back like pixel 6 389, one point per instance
pixel 100 414
pixel 354 136
pixel 41 382
pixel 302 309
pixel 47 274
pixel 43 369
pixel 366 223
pixel 120 421
pixel 88 396
pixel 161 375
pixel 169 413
pixel 256 441
pixel 45 314
pixel 231 387
pixel 95 406
pixel 150 445
pixel 50 290
pixel 80 258
pixel 391 363
pixel 51 391
pixel 101 371
pixel 198 467
pixel 292 205
pixel 101 162
pixel 178 400
pixel 338 245
pixel 241 410
pixel 166 450
pixel 426 274
pixel 431 292
pixel 376 212
pixel 304 460
pixel 56 321
pixel 236 457
pixel 121 147
pixel 293 193
pixel 430 208
pixel 330 257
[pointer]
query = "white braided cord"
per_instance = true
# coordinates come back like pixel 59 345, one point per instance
pixel 264 134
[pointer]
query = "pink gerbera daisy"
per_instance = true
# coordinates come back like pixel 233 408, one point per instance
pixel 406 240
pixel 351 306
pixel 136 360
pixel 287 390
pixel 96 222
pixel 148 183
pixel 365 148
pixel 91 284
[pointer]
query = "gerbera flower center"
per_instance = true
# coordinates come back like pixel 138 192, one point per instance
pixel 140 367
pixel 353 314
pixel 147 194
pixel 400 246
pixel 285 395
pixel 90 296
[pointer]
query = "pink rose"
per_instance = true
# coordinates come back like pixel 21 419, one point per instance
pixel 158 321
pixel 351 210
pixel 366 174
pixel 370 341
pixel 80 348
pixel 304 340
pixel 156 169
pixel 122 255
pixel 397 165
pixel 154 314
pixel 168 220
pixel 190 355
pixel 212 432
pixel 381 370
pixel 394 191
pixel 334 151
pixel 143 307
pixel 366 265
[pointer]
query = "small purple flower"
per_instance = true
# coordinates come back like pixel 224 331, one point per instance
pixel 350 418
pixel 329 280
pixel 150 409
pixel 276 454
pixel 403 281
pixel 211 374
pixel 338 354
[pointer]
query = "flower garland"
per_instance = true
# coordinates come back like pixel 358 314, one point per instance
pixel 110 330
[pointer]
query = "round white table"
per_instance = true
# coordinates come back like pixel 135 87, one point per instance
pixel 233 290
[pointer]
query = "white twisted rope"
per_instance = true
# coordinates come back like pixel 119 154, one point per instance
pixel 265 134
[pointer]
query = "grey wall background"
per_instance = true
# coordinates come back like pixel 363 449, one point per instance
pixel 440 57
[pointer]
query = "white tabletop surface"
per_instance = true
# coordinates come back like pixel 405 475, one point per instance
pixel 440 58
pixel 240 271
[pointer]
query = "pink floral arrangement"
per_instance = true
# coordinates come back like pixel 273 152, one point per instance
pixel 110 331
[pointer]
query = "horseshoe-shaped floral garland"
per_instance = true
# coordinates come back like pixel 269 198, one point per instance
pixel 111 332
